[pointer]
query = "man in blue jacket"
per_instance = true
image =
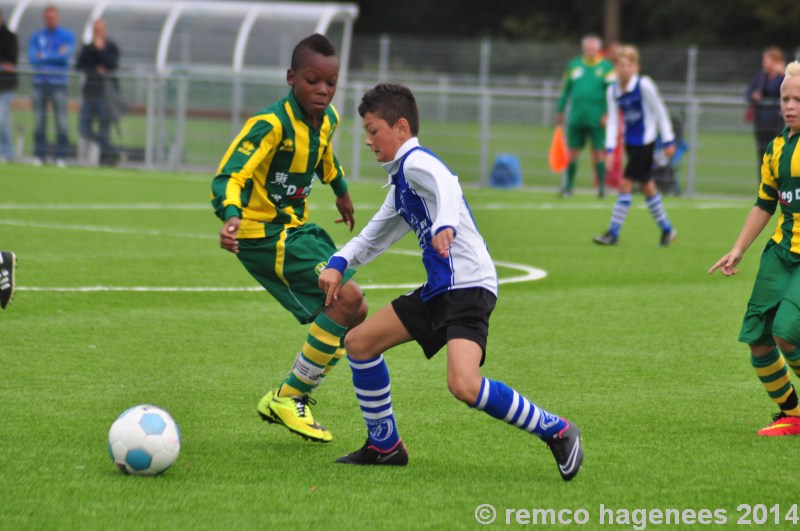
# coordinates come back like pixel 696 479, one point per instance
pixel 49 51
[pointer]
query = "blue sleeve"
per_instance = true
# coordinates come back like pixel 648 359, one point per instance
pixel 33 56
pixel 754 83
pixel 66 45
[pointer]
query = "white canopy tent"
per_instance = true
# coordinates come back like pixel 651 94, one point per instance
pixel 239 37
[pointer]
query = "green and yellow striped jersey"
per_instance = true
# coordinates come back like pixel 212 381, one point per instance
pixel 780 184
pixel 268 171
pixel 585 84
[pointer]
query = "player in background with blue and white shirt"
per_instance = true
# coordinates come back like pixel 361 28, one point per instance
pixel 646 118
pixel 452 308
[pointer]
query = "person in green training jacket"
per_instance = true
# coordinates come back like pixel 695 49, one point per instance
pixel 585 81
pixel 261 192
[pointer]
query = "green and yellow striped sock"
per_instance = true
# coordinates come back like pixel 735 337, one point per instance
pixel 340 352
pixel 793 359
pixel 774 375
pixel 322 343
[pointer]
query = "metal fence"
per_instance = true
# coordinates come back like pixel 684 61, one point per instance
pixel 472 111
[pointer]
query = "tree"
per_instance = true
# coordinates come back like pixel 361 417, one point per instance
pixel 753 23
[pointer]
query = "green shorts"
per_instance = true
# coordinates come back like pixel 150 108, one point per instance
pixel 287 262
pixel 774 306
pixel 577 135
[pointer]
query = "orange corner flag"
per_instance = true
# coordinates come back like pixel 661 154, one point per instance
pixel 559 155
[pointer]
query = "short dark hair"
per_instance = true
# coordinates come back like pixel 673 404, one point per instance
pixel 391 102
pixel 316 43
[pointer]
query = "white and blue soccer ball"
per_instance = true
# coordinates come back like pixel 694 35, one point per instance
pixel 144 440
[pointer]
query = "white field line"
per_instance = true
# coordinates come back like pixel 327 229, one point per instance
pixel 528 273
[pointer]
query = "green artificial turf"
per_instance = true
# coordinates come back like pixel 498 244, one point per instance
pixel 636 344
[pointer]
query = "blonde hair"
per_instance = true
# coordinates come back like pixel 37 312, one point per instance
pixel 792 70
pixel 628 51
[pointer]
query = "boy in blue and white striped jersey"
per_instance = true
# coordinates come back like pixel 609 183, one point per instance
pixel 645 117
pixel 452 308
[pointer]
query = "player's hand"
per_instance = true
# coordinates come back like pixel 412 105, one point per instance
pixel 330 281
pixel 669 151
pixel 345 207
pixel 227 236
pixel 559 119
pixel 727 264
pixel 610 159
pixel 441 242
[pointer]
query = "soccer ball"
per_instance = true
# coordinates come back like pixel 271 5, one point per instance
pixel 144 440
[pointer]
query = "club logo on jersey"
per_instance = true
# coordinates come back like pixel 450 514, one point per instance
pixel 287 145
pixel 380 430
pixel 246 148
pixel 320 267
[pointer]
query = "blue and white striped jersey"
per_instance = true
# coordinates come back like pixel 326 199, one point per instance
pixel 425 197
pixel 643 110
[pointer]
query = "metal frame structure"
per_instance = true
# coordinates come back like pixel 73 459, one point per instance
pixel 323 15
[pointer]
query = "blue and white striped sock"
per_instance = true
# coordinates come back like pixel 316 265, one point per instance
pixel 619 213
pixel 656 208
pixel 504 403
pixel 371 381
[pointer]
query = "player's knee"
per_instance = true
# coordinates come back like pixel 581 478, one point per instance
pixel 355 345
pixel 784 345
pixel 760 350
pixel 351 298
pixel 464 388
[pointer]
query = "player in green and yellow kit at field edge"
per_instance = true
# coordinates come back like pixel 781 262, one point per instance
pixel 771 324
pixel 260 192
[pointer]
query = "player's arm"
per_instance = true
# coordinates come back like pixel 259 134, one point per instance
pixel 664 123
pixel 566 89
pixel 228 189
pixel 330 172
pixel 756 220
pixel 612 125
pixel 385 228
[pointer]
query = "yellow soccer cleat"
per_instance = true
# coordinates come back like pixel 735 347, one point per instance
pixel 263 408
pixel 294 413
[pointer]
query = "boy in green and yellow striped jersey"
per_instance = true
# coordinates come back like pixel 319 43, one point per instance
pixel 772 321
pixel 260 192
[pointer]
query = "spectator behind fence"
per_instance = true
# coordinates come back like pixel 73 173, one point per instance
pixel 8 82
pixel 764 99
pixel 49 51
pixel 585 80
pixel 98 60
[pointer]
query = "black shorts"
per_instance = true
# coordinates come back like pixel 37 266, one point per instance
pixel 640 162
pixel 454 314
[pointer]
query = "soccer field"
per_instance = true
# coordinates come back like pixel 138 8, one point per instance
pixel 124 297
